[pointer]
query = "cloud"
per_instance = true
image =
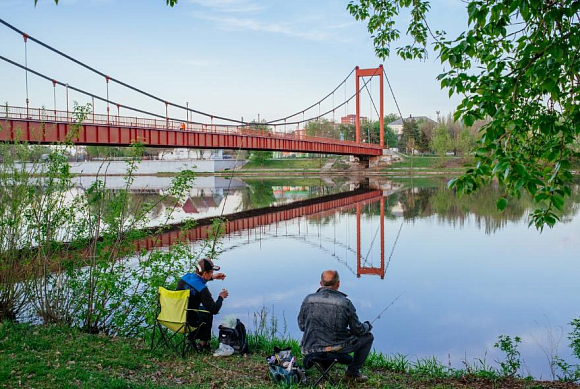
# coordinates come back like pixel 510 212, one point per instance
pixel 240 24
pixel 233 6
pixel 193 62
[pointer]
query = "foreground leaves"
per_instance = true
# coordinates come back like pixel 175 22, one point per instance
pixel 517 64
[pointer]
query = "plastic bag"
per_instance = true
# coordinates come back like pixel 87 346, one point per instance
pixel 223 351
pixel 229 321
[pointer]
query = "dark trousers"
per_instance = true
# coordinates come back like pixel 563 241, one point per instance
pixel 195 319
pixel 361 348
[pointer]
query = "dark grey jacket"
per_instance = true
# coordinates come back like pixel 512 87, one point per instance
pixel 329 322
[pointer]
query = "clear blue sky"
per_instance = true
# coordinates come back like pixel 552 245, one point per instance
pixel 229 57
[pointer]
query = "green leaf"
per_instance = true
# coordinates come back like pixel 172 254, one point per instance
pixel 468 120
pixel 558 202
pixel 501 203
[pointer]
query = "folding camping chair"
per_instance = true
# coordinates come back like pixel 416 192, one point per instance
pixel 324 362
pixel 172 321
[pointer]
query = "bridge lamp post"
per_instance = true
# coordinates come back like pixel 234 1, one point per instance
pixel 67 114
pixel 187 111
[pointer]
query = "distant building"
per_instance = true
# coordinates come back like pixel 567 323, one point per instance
pixel 397 125
pixel 351 119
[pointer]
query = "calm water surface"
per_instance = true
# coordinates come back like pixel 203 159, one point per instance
pixel 467 273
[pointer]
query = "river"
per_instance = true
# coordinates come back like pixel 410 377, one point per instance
pixel 465 272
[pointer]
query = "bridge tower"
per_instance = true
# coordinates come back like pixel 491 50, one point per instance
pixel 373 72
pixel 361 268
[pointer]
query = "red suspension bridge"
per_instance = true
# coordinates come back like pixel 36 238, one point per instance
pixel 48 126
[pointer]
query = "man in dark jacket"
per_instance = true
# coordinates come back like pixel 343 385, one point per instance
pixel 330 324
pixel 201 298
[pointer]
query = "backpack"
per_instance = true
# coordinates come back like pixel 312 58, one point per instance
pixel 234 337
pixel 282 367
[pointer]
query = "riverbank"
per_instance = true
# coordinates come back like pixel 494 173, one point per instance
pixel 55 357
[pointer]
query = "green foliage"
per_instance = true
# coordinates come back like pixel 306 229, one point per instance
pixel 322 127
pixel 465 141
pixel 105 151
pixel 515 65
pixel 569 372
pixel 512 363
pixel 260 194
pixel 259 157
pixel 409 136
pixel 98 281
pixel 266 333
pixel 441 141
pixel 575 337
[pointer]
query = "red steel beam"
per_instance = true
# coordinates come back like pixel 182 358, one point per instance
pixel 34 131
pixel 373 72
pixel 271 215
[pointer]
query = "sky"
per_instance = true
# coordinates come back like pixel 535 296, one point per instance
pixel 233 58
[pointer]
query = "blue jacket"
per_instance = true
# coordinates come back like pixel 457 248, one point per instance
pixel 199 293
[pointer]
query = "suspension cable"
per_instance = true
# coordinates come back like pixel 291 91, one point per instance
pixel 317 103
pixel 99 97
pixel 114 79
pixel 393 93
pixel 376 111
pixel 338 106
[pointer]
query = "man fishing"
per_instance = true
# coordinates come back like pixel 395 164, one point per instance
pixel 201 298
pixel 330 324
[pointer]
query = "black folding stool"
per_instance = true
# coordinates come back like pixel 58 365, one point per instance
pixel 324 362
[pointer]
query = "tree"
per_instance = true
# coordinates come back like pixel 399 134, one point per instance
pixel 409 135
pixel 105 152
pixel 441 141
pixel 464 142
pixel 424 142
pixel 260 156
pixel 517 64
pixel 425 135
pixel 454 127
pixel 390 137
pixel 322 127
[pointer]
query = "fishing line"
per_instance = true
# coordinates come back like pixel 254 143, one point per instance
pixel 388 306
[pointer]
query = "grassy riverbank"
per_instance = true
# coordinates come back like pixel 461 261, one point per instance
pixel 431 164
pixel 56 357
pixel 287 164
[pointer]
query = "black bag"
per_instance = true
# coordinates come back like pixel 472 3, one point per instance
pixel 235 337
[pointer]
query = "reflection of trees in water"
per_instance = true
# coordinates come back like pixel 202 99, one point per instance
pixel 259 194
pixel 447 207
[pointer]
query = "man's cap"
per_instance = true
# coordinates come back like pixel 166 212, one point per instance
pixel 206 264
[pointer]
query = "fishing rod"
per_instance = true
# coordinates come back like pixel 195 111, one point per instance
pixel 385 310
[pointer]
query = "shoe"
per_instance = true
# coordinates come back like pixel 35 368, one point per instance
pixel 356 378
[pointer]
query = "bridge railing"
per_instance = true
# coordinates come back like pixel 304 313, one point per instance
pixel 57 116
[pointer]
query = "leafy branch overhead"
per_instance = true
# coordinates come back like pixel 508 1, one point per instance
pixel 516 65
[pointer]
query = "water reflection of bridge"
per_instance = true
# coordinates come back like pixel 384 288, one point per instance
pixel 317 207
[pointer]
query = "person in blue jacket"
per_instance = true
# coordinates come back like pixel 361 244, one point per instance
pixel 200 298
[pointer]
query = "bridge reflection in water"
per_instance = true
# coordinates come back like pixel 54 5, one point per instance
pixel 253 219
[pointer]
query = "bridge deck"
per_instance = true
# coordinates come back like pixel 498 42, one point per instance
pixel 50 126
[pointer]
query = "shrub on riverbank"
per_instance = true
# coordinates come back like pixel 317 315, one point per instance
pixel 72 256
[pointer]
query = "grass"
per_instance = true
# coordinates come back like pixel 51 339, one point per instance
pixel 288 164
pixel 430 163
pixel 56 357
